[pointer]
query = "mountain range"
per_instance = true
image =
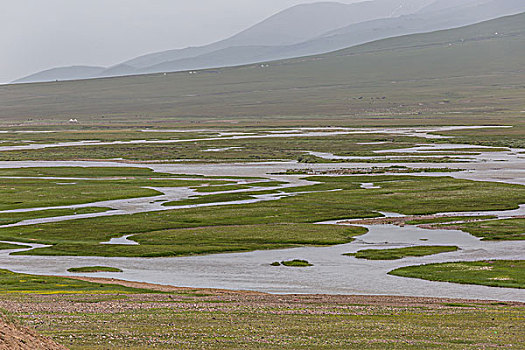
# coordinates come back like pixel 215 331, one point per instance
pixel 473 71
pixel 304 30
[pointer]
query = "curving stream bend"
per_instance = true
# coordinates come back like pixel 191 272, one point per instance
pixel 332 272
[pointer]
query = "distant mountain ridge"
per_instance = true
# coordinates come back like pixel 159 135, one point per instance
pixel 467 67
pixel 64 73
pixel 294 25
pixel 305 30
pixel 468 12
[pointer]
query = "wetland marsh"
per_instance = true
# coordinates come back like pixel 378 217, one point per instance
pixel 258 212
pixel 368 198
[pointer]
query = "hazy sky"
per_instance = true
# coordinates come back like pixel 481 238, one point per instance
pixel 41 34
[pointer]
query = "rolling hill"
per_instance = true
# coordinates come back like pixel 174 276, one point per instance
pixel 293 25
pixel 64 73
pixel 307 30
pixel 352 35
pixel 473 70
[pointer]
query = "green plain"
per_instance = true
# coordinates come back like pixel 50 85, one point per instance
pixel 496 273
pixel 400 253
pixel 403 194
pixel 506 229
pixel 11 282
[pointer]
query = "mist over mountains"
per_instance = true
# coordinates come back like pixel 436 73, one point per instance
pixel 461 70
pixel 304 30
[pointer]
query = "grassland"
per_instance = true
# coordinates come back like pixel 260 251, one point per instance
pixel 37 193
pixel 497 273
pixel 255 149
pixel 400 253
pixel 296 263
pixel 93 269
pixel 28 187
pixel 210 240
pixel 445 219
pixel 110 314
pixel 75 133
pixel 211 198
pixel 186 318
pixel 404 194
pixel 463 77
pixel 507 229
pixel 116 173
pixel 252 185
pixel 512 137
pixel 11 218
pixel 84 172
pixel 271 148
pixel 5 246
pixel 11 282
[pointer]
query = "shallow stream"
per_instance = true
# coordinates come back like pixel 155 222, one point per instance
pixel 332 272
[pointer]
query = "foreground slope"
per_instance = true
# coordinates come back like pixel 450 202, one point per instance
pixel 14 337
pixel 210 319
pixel 462 69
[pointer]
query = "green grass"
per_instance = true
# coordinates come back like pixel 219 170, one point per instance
pixel 11 282
pixel 239 187
pixel 273 148
pixel 507 229
pixel 28 192
pixel 210 240
pixel 400 253
pixel 6 246
pixel 11 218
pixel 83 172
pixel 34 193
pixel 75 133
pixel 459 305
pixel 439 220
pixel 258 321
pixel 93 269
pixel 210 198
pixel 209 189
pixel 405 194
pixel 296 263
pixel 497 273
pixel 512 137
pixel 124 172
pixel 408 81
